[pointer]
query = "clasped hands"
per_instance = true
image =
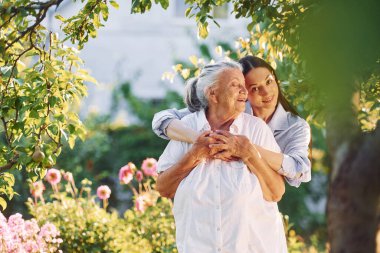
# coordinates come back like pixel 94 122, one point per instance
pixel 222 145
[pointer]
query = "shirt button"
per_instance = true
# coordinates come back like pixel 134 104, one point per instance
pixel 218 229
pixel 219 249
pixel 217 186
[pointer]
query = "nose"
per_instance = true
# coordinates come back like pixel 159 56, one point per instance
pixel 264 90
pixel 243 89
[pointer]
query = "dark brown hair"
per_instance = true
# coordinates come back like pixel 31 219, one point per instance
pixel 251 62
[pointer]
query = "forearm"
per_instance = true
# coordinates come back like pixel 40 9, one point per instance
pixel 272 184
pixel 178 131
pixel 273 159
pixel 169 180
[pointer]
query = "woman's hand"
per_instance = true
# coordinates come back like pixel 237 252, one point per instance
pixel 229 147
pixel 201 148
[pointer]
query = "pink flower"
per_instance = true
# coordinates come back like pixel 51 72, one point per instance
pixel 139 176
pixel 53 176
pixel 126 174
pixel 132 166
pixel 149 167
pixel 37 188
pixel 49 232
pixel 103 192
pixel 31 227
pixel 68 176
pixel 140 204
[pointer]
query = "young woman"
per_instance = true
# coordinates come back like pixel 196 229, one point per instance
pixel 266 101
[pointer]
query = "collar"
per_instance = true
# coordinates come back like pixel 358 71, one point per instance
pixel 202 122
pixel 203 125
pixel 279 120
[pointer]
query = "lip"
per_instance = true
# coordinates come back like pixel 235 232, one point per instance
pixel 242 100
pixel 268 99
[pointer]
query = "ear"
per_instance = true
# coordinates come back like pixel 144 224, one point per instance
pixel 211 95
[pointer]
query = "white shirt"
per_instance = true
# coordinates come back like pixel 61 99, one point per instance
pixel 219 206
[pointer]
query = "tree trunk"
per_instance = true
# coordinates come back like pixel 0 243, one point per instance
pixel 354 195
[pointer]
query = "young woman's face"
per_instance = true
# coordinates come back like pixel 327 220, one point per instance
pixel 262 88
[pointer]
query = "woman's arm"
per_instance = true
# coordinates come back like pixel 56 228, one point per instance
pixel 296 166
pixel 273 159
pixel 178 131
pixel 168 181
pixel 272 184
pixel 239 146
pixel 162 119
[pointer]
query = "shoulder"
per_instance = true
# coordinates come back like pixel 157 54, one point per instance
pixel 253 120
pixel 253 123
pixel 297 122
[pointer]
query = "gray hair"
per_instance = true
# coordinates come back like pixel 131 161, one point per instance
pixel 195 91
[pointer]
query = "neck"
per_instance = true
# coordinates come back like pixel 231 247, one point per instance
pixel 264 113
pixel 219 120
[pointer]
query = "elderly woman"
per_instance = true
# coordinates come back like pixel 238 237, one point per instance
pixel 266 101
pixel 222 206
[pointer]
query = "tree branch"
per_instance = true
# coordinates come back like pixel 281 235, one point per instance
pixel 43 9
pixel 10 163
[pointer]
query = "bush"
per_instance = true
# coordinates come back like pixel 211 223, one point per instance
pixel 19 235
pixel 86 226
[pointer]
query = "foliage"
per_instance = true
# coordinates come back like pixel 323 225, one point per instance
pixel 85 24
pixel 107 147
pixel 84 225
pixel 145 109
pixel 154 227
pixel 19 235
pixel 40 77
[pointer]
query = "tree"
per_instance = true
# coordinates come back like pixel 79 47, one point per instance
pixel 40 78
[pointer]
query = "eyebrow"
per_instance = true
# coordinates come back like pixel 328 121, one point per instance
pixel 266 78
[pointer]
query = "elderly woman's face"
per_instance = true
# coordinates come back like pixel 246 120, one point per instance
pixel 230 91
pixel 262 88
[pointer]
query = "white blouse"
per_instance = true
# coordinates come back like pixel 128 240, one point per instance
pixel 219 206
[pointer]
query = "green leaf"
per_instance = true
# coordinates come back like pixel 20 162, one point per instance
pixel 96 20
pixel 59 17
pixel 250 26
pixel 164 4
pixel 71 141
pixel 188 11
pixel 3 203
pixel 114 4
pixel 202 30
pixel 34 114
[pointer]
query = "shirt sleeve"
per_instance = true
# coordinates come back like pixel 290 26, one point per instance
pixel 296 166
pixel 265 138
pixel 173 152
pixel 162 119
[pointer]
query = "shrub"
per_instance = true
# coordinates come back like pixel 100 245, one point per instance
pixel 19 235
pixel 84 225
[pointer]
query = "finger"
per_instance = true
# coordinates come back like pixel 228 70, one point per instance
pixel 224 155
pixel 205 134
pixel 223 132
pixel 220 146
pixel 219 137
